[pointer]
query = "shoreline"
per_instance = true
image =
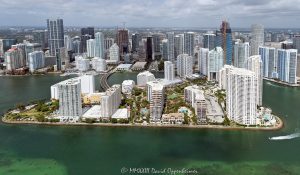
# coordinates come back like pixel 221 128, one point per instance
pixel 218 127
pixel 281 82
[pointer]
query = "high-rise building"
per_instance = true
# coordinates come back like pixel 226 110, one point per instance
pixel 189 39
pixel 99 45
pixel 170 46
pixel 156 97
pixel 178 45
pixel 76 45
pixel 241 53
pixel 14 59
pixel 55 35
pixel 83 42
pixel 99 64
pixel 69 93
pixel 87 84
pixel 203 60
pixel 22 48
pixel 88 31
pixel 149 49
pixel 164 49
pixel 194 96
pixel 136 38
pixel 269 59
pixel 215 63
pixel 68 42
pixel 82 64
pixel 224 38
pixel 144 77
pixel 257 38
pixel 111 101
pixel 209 40
pixel 296 43
pixel 40 36
pixel 123 41
pixel 108 42
pixel 287 65
pixel 184 65
pixel 156 43
pixel 31 47
pixel 240 85
pixel 169 70
pixel 62 58
pixel 114 53
pixel 254 63
pixel 5 45
pixel 36 60
pixel 91 47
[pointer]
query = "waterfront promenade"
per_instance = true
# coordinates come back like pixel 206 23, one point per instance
pixel 277 127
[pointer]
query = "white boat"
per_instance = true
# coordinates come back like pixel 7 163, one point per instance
pixel 287 137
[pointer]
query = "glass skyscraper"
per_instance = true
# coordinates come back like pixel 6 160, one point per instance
pixel 225 38
pixel 55 35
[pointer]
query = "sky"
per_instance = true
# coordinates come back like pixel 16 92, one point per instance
pixel 152 13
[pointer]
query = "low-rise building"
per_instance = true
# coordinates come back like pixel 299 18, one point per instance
pixel 121 114
pixel 124 67
pixel 93 98
pixel 139 66
pixel 172 118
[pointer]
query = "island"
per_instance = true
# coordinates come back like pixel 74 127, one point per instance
pixel 192 102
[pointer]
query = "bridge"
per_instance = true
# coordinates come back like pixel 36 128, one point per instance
pixel 103 80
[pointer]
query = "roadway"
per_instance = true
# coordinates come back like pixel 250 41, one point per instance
pixel 103 80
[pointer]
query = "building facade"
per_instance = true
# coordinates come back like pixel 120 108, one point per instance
pixel 156 97
pixel 215 63
pixel 144 77
pixel 184 65
pixel 169 70
pixel 269 59
pixel 241 54
pixel 287 65
pixel 241 96
pixel 36 60
pixel 69 93
pixel 55 35
pixel 257 38
pixel 254 63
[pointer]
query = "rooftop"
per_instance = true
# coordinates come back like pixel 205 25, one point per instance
pixel 124 66
pixel 121 114
pixel 93 112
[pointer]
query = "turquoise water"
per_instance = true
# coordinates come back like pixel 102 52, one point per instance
pixel 30 149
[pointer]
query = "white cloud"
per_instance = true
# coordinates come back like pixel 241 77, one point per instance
pixel 177 13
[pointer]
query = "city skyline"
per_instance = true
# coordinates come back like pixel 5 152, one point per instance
pixel 175 13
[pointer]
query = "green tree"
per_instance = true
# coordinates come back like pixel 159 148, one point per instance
pixel 20 106
pixel 226 121
pixel 186 119
pixel 114 120
pixel 40 118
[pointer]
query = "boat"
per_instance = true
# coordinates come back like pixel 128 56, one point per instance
pixel 287 137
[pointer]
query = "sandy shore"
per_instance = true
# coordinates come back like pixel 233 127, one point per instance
pixel 279 126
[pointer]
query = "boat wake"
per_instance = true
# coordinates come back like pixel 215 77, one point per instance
pixel 287 137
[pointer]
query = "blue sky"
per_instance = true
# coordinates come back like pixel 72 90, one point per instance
pixel 152 13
